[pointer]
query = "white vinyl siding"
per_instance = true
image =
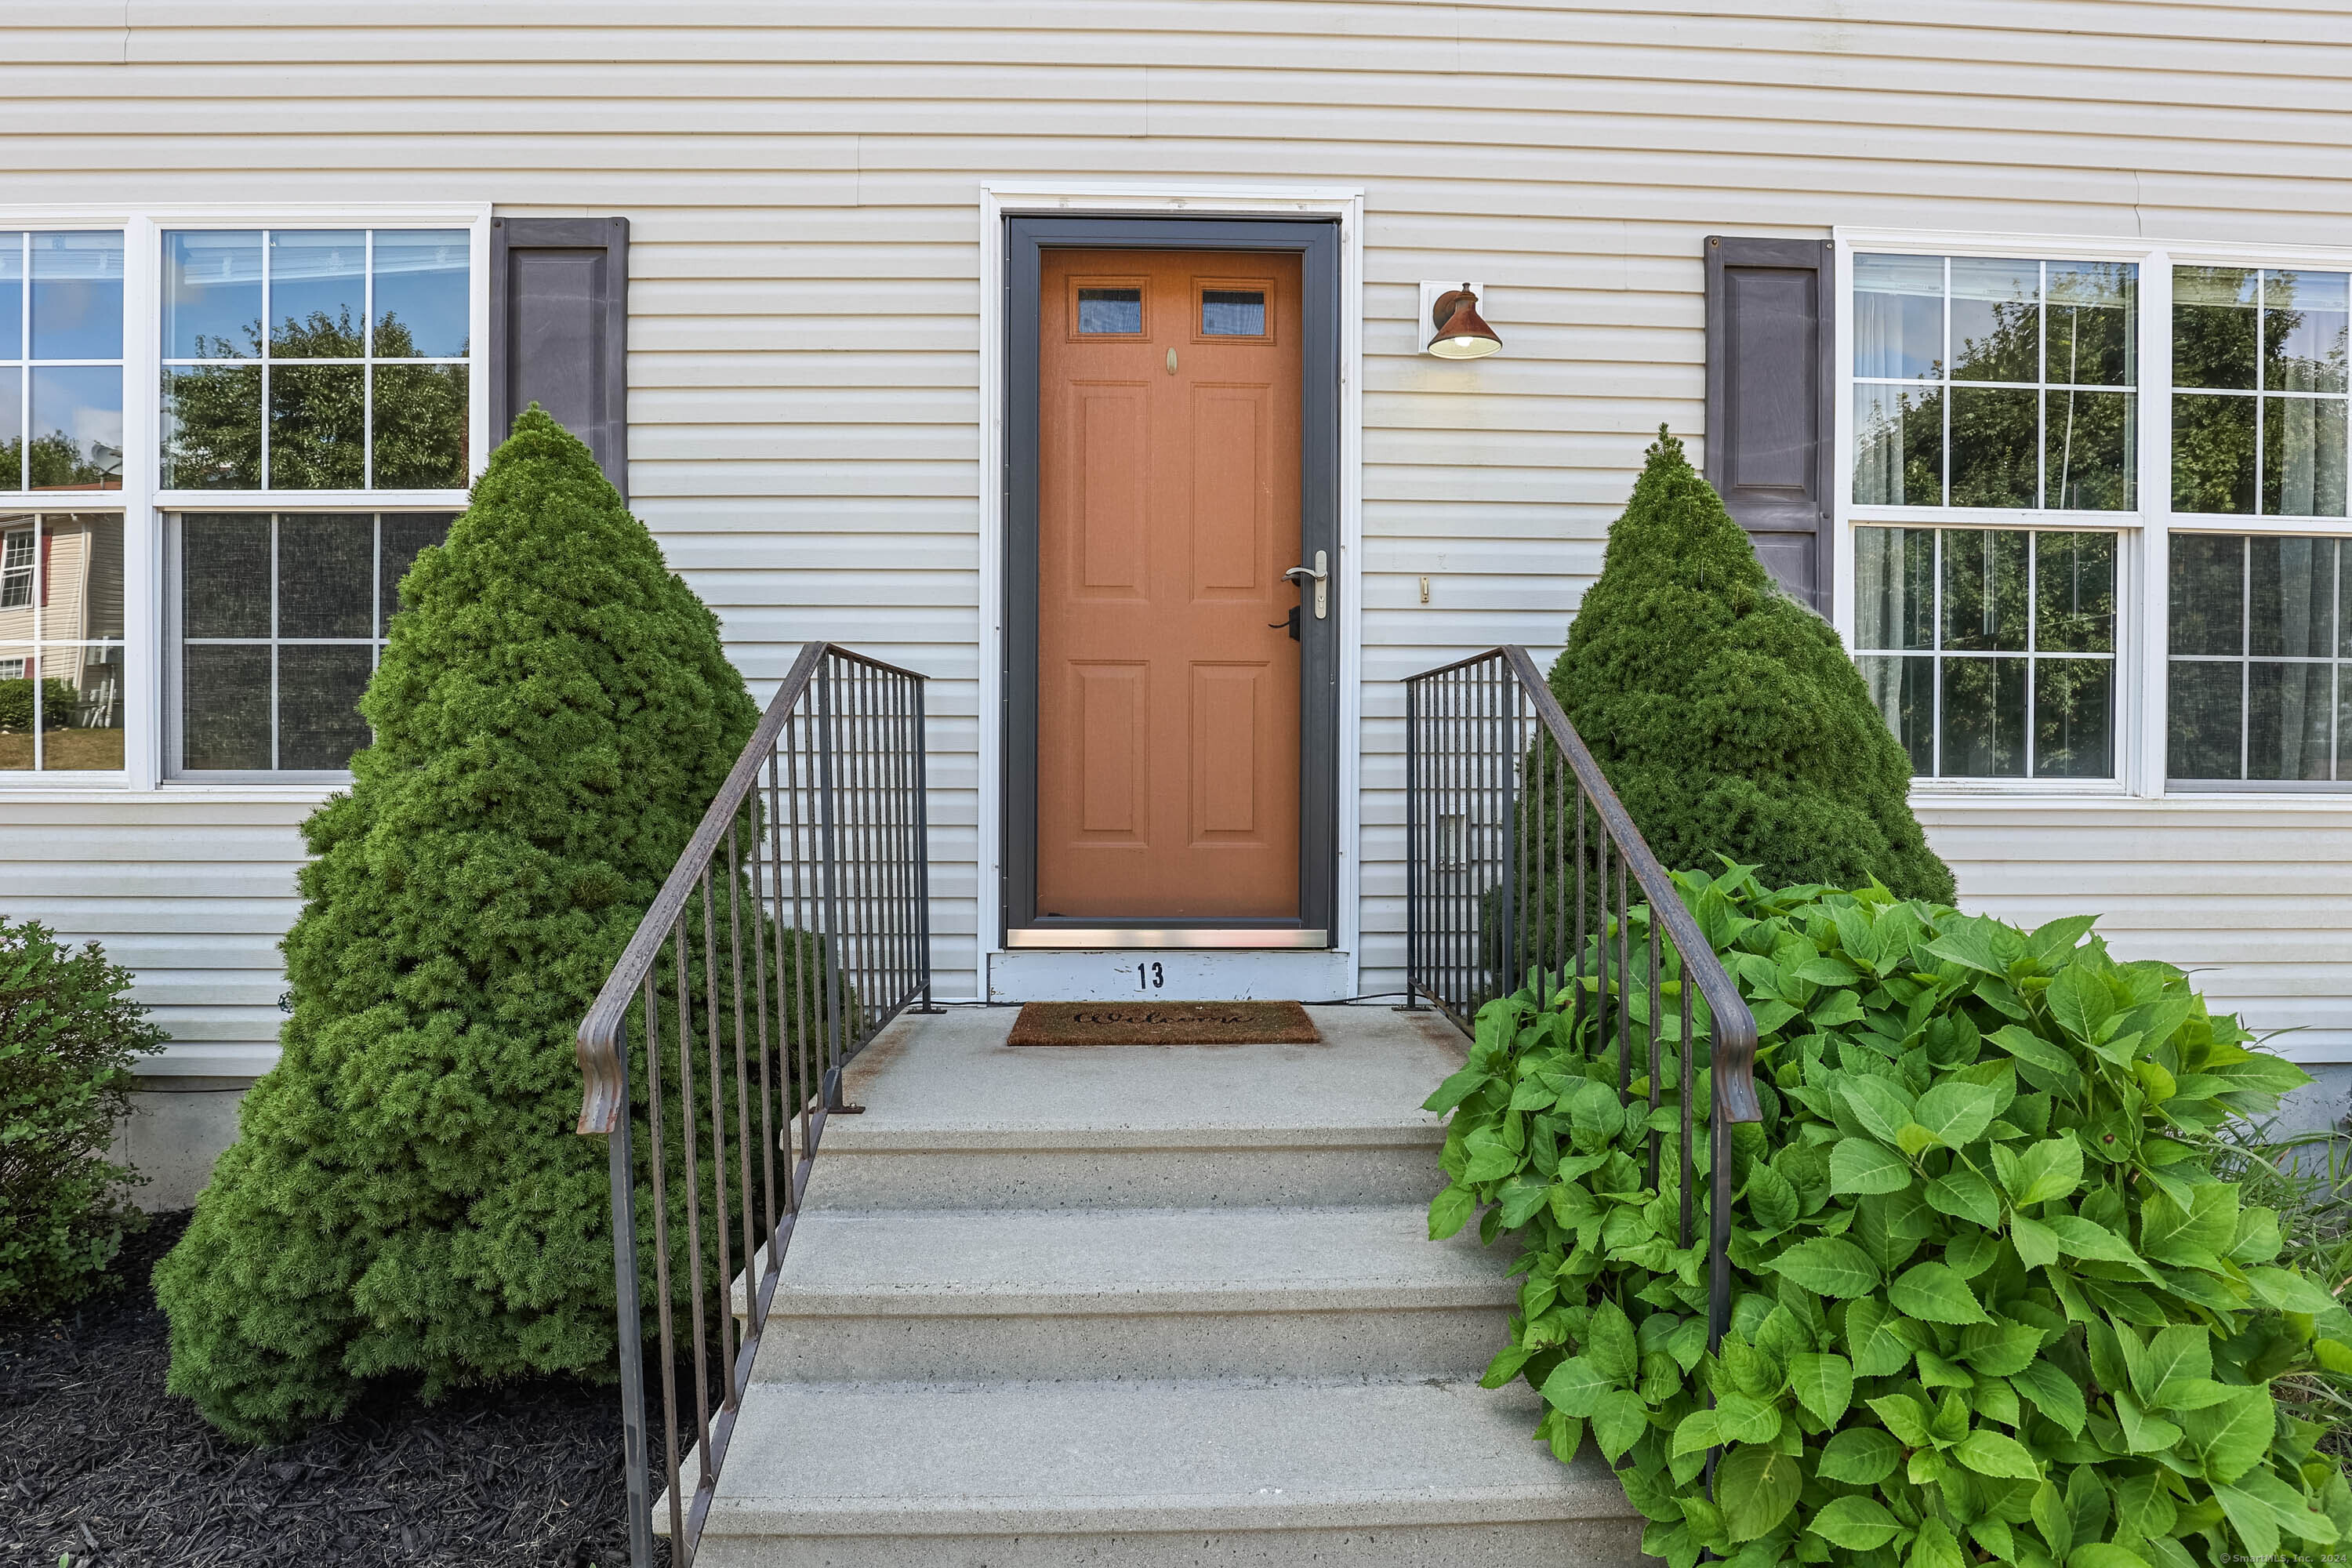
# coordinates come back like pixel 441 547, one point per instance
pixel 804 355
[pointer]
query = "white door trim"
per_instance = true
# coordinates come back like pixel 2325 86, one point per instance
pixel 1108 198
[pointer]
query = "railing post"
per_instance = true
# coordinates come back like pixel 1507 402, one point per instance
pixel 1413 848
pixel 830 861
pixel 920 745
pixel 622 1162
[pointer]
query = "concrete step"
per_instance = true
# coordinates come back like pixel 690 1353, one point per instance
pixel 959 1120
pixel 1435 1473
pixel 1134 1293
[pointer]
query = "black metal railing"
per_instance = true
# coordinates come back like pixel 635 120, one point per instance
pixel 1522 867
pixel 795 925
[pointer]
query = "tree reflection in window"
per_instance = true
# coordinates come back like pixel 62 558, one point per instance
pixel 2258 409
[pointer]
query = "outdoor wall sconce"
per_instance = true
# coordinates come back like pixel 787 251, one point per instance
pixel 1453 328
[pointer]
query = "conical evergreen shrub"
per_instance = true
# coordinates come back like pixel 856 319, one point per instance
pixel 552 714
pixel 1727 716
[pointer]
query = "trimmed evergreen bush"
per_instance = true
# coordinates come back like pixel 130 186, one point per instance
pixel 552 714
pixel 1991 1301
pixel 1727 716
pixel 68 1034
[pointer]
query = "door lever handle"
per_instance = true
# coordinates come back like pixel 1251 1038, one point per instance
pixel 1320 575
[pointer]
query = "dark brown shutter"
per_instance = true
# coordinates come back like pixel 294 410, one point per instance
pixel 560 330
pixel 1769 426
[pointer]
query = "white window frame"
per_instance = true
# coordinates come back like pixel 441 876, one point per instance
pixel 143 502
pixel 2143 553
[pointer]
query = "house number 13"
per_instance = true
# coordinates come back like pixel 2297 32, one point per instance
pixel 1150 977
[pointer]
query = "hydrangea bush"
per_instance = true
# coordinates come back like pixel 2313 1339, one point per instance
pixel 1990 1301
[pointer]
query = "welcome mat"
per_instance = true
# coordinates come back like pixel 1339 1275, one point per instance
pixel 1163 1023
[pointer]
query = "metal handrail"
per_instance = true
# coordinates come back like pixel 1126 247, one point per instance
pixel 819 838
pixel 1486 737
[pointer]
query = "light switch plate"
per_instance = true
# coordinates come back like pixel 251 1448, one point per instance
pixel 1432 292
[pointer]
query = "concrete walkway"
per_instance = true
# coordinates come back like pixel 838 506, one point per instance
pixel 1143 1305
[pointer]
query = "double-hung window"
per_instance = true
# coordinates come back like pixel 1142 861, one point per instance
pixel 2094 500
pixel 224 440
pixel 62 670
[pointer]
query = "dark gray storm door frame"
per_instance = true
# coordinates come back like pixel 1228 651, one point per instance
pixel 1317 243
pixel 560 331
pixel 1771 374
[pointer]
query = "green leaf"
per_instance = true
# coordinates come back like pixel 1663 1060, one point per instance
pixel 1619 1418
pixel 1934 1293
pixel 1771 1201
pixel 2194 1236
pixel 1968 942
pixel 2184 1351
pixel 1450 1210
pixel 1756 1488
pixel 2251 1519
pixel 2036 1244
pixel 1964 1194
pixel 1457 1089
pixel 1827 1266
pixel 1859 1165
pixel 2230 1437
pixel 2081 1238
pixel 1999 1349
pixel 1901 1414
pixel 2056 1067
pixel 1743 1418
pixel 2143 1433
pixel 2143 1503
pixel 2104 1554
pixel 1863 1456
pixel 1877 1104
pixel 2080 1000
pixel 2053 1518
pixel 1956 1111
pixel 2057 1396
pixel 1934 1547
pixel 1576 1386
pixel 1609 1346
pixel 2290 1291
pixel 2046 1171
pixel 1856 1523
pixel 1698 1432
pixel 1990 1452
pixel 1824 1384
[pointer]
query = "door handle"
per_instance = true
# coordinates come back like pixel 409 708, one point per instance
pixel 1320 575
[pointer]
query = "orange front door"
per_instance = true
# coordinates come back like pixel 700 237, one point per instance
pixel 1168 509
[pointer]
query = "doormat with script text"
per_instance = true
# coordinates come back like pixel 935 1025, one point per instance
pixel 1163 1023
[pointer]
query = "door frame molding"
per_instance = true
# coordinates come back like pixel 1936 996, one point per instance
pixel 1201 218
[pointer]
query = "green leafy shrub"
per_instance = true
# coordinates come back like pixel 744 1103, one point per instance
pixel 68 1034
pixel 551 717
pixel 1727 716
pixel 1990 1301
pixel 58 700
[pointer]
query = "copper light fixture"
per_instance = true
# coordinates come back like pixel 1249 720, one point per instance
pixel 1461 333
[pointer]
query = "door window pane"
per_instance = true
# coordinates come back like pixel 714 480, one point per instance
pixel 1110 311
pixel 2258 649
pixel 1233 312
pixel 282 620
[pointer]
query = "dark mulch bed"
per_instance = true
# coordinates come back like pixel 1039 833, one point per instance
pixel 97 1463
